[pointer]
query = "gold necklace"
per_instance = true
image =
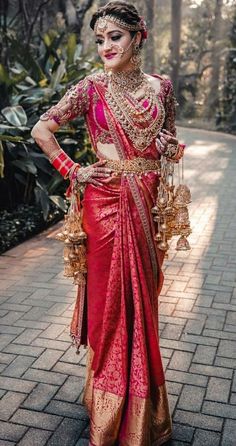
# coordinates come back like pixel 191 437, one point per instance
pixel 130 80
pixel 138 121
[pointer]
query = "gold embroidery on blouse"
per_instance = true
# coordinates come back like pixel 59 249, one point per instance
pixel 74 103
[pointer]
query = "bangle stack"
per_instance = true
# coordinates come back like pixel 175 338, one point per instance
pixel 171 151
pixel 62 162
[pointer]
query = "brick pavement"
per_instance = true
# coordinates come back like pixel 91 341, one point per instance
pixel 41 376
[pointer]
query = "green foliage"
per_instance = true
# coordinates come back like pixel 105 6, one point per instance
pixel 32 86
pixel 21 223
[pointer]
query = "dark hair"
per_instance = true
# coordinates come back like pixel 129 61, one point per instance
pixel 122 10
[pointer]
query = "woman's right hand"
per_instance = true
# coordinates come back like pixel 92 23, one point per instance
pixel 92 174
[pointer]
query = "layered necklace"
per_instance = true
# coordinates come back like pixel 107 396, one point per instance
pixel 126 94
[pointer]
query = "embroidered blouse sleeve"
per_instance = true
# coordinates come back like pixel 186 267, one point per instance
pixel 74 103
pixel 170 108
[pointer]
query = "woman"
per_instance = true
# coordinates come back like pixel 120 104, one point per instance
pixel 130 120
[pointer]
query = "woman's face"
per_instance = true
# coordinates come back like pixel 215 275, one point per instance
pixel 115 47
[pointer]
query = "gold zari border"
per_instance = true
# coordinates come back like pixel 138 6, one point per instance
pixel 145 425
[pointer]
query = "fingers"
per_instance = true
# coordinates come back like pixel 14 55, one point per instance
pixel 95 182
pixel 168 139
pixel 100 174
pixel 107 180
pixel 167 132
pixel 103 169
pixel 164 142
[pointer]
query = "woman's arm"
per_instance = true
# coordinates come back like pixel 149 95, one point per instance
pixel 170 108
pixel 43 134
pixel 74 103
pixel 168 136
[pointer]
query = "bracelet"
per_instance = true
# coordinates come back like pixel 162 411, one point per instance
pixel 72 172
pixel 171 151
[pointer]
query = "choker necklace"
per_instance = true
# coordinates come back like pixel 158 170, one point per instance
pixel 129 80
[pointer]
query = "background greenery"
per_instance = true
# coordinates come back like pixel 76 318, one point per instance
pixel 46 46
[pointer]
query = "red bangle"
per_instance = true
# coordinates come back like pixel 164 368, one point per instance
pixel 63 165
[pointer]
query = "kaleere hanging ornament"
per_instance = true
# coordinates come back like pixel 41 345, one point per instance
pixel 74 241
pixel 171 212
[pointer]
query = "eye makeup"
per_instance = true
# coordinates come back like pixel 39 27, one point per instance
pixel 114 37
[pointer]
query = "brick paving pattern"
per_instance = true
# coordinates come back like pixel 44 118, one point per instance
pixel 42 378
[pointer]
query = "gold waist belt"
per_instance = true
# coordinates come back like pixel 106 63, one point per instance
pixel 136 165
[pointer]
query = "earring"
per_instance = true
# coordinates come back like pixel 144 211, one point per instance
pixel 136 56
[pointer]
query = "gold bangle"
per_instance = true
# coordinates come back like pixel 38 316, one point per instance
pixel 171 151
pixel 71 171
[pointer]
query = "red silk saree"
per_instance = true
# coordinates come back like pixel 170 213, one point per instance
pixel 125 390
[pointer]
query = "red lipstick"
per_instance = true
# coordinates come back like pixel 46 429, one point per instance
pixel 110 56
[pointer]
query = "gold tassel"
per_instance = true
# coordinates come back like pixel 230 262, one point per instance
pixel 74 239
pixel 170 211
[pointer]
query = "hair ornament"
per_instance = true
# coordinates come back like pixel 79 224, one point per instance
pixel 102 23
pixel 143 26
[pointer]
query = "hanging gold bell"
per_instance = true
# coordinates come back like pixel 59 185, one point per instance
pixel 158 237
pixel 164 226
pixel 163 245
pixel 162 202
pixel 182 244
pixel 182 217
pixel 185 193
pixel 154 210
pixel 77 235
pixel 156 218
pixel 178 201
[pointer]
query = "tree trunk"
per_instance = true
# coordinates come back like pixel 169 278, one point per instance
pixel 213 97
pixel 80 13
pixel 176 7
pixel 228 99
pixel 70 11
pixel 149 48
pixel 74 15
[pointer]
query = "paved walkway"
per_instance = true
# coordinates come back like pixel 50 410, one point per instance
pixel 41 376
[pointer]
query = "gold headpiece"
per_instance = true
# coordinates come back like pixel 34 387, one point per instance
pixel 102 24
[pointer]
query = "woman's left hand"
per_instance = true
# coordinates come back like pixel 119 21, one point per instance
pixel 167 138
